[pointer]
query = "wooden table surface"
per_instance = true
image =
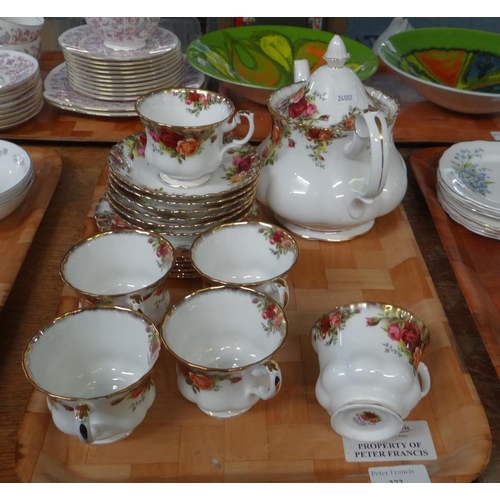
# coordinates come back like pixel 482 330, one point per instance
pixel 36 293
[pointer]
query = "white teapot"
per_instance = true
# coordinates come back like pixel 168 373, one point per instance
pixel 329 165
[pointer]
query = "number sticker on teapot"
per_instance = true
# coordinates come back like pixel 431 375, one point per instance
pixel 346 97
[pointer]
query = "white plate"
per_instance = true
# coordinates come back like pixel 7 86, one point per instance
pixel 128 164
pixel 84 42
pixel 471 170
pixel 60 94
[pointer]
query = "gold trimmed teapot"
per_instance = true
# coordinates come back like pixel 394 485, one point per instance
pixel 329 164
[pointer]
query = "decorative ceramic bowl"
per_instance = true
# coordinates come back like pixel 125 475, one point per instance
pixel 123 33
pixel 456 68
pixel 16 30
pixel 253 58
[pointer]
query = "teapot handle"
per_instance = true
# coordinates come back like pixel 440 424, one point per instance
pixel 370 125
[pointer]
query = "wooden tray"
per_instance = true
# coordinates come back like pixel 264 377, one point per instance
pixel 419 121
pixel 288 438
pixel 475 259
pixel 19 228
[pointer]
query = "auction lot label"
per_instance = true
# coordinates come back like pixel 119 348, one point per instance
pixel 413 443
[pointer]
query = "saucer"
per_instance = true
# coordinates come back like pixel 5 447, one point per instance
pixel 127 163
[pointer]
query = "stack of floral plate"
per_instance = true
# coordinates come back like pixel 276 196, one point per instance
pixel 20 88
pixel 468 186
pixel 97 71
pixel 138 197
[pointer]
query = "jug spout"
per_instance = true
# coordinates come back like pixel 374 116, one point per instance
pixel 300 70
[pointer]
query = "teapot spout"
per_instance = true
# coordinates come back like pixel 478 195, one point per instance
pixel 301 71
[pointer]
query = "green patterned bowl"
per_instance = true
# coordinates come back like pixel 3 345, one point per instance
pixel 261 57
pixel 456 68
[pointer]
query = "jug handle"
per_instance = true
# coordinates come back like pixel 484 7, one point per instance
pixel 372 125
pixel 425 379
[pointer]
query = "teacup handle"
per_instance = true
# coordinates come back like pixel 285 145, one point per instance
pixel 281 286
pixel 425 379
pixel 274 372
pixel 82 421
pixel 135 302
pixel 231 125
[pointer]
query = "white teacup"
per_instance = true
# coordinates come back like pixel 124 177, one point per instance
pixel 371 376
pixel 95 367
pixel 223 339
pixel 185 130
pixel 251 254
pixel 127 268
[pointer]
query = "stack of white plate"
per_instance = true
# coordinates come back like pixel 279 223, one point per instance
pixel 16 177
pixel 468 186
pixel 99 72
pixel 58 92
pixel 21 88
pixel 138 197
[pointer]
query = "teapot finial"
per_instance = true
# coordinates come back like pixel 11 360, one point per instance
pixel 336 54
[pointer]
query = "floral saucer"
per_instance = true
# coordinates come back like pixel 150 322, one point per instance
pixel 240 167
pixel 470 170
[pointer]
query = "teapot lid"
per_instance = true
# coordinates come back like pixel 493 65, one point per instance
pixel 331 95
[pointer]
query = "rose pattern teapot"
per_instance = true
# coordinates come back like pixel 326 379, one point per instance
pixel 329 165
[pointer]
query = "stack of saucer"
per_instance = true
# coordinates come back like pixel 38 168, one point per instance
pixel 138 197
pixel 20 88
pixel 468 186
pixel 99 72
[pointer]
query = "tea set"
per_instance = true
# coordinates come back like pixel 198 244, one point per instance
pixel 328 169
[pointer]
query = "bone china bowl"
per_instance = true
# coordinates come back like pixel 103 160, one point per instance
pixel 223 339
pixel 455 68
pixel 370 376
pixel 185 130
pixel 123 33
pixel 251 254
pixel 33 49
pixel 16 30
pixel 127 268
pixel 16 177
pixel 95 365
